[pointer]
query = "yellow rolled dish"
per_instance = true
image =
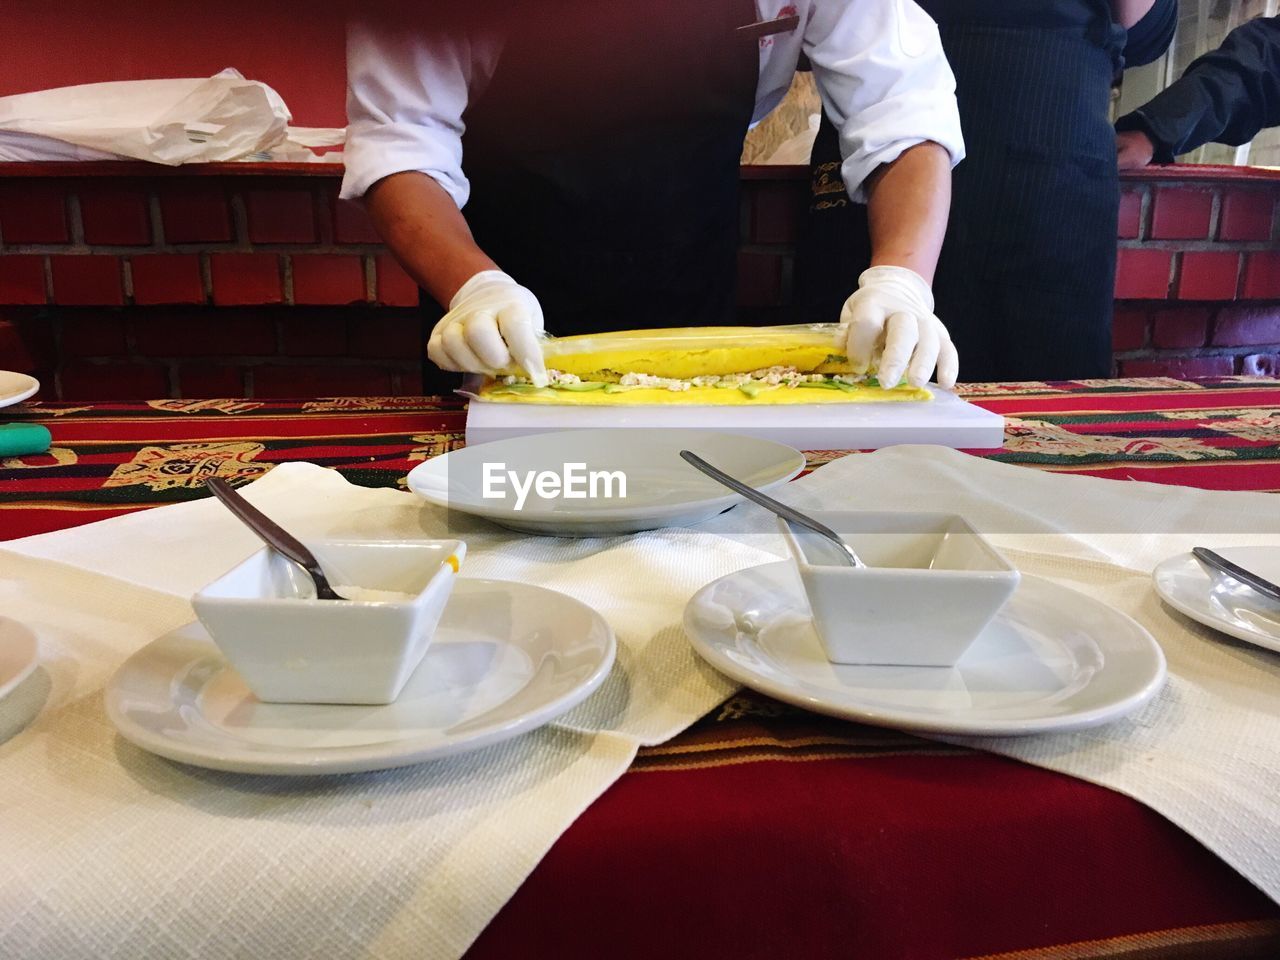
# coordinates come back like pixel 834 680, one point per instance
pixel 686 352
pixel 699 366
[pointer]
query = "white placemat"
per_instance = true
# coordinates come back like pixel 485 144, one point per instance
pixel 1206 752
pixel 110 852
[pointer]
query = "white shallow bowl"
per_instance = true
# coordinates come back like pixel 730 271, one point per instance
pixel 16 387
pixel 932 583
pixel 1053 659
pixel 506 658
pixel 291 647
pixel 662 490
pixel 1220 602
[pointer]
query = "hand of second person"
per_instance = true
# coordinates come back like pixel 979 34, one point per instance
pixel 1134 150
pixel 890 325
pixel 492 323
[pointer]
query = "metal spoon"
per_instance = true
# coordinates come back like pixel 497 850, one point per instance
pixel 790 514
pixel 273 534
pixel 1209 558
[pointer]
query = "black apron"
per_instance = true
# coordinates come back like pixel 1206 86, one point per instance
pixel 603 159
pixel 1025 282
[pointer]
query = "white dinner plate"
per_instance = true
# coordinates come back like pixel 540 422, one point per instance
pixel 662 490
pixel 506 658
pixel 16 387
pixel 19 654
pixel 1053 659
pixel 1221 603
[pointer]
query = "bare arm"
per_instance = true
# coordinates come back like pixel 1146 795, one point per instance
pixel 907 205
pixel 425 230
pixel 1129 12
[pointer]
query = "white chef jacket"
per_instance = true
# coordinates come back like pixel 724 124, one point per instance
pixel 879 66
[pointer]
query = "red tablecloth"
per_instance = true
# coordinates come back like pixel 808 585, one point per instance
pixel 764 831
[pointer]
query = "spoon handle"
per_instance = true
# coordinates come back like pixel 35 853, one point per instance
pixel 272 534
pixel 776 506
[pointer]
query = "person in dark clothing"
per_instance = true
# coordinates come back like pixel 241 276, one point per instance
pixel 1026 277
pixel 595 147
pixel 1225 96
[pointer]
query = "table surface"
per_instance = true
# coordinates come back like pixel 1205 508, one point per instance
pixel 763 830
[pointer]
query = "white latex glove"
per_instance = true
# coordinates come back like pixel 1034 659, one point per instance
pixel 492 322
pixel 890 326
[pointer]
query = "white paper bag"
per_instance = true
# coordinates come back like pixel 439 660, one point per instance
pixel 224 117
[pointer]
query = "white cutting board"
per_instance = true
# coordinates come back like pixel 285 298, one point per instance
pixel 946 421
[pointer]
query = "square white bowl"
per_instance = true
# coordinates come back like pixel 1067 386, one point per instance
pixel 932 583
pixel 291 647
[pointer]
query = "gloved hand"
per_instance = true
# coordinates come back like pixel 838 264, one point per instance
pixel 492 322
pixel 890 326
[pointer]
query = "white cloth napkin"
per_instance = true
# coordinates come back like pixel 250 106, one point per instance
pixel 110 852
pixel 1205 753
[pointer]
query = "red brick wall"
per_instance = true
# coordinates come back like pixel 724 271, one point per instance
pixel 1199 286
pixel 124 281
pixel 178 283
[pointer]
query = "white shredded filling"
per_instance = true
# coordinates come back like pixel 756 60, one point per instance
pixel 767 376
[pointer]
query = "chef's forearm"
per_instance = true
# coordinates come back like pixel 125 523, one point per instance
pixel 907 205
pixel 423 227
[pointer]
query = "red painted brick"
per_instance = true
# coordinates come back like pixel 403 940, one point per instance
pixel 14 354
pixel 776 210
pixel 1129 328
pixel 93 334
pixel 1260 365
pixel 1130 215
pixel 1180 326
pixel 281 215
pixel 195 212
pixel 167 278
pixel 33 212
pixel 308 333
pixel 1181 368
pixel 320 279
pixel 1261 275
pixel 202 382
pixel 202 333
pixel 1208 275
pixel 114 214
pixel 244 279
pixel 114 381
pixel 22 279
pixel 87 281
pixel 397 334
pixel 395 287
pixel 1142 274
pixel 351 224
pixel 1246 215
pixel 1241 325
pixel 38 336
pixel 759 279
pixel 320 381
pixel 1181 213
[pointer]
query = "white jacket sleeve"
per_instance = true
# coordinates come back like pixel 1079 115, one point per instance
pixel 884 81
pixel 406 93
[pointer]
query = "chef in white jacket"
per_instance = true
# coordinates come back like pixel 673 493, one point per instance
pixel 579 160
